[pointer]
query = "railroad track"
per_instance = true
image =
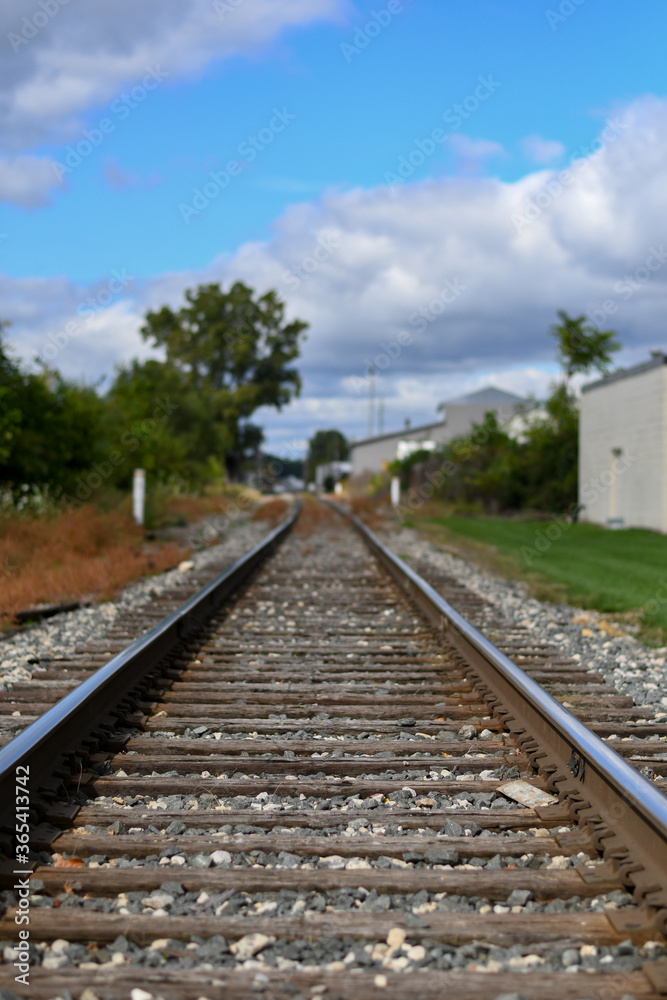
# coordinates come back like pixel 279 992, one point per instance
pixel 303 786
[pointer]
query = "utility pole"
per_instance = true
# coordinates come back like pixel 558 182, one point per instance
pixel 381 416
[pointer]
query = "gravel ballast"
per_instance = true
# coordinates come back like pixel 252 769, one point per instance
pixel 60 636
pixel 633 669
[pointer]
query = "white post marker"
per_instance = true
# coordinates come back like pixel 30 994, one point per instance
pixel 139 495
pixel 395 491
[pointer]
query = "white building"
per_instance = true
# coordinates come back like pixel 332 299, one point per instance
pixel 333 470
pixel 371 455
pixel 623 447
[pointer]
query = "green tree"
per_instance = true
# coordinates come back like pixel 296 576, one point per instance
pixel 51 429
pixel 232 353
pixel 545 468
pixel 581 346
pixel 10 411
pixel 158 423
pixel 325 446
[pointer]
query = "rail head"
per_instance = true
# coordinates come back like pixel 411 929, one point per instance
pixel 72 719
pixel 626 813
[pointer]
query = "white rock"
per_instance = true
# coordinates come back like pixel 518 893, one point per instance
pixel 267 906
pixel 416 953
pixel 358 863
pixel 396 964
pixel 59 946
pixel 250 945
pixel 137 994
pixel 333 861
pixel 525 961
pixel 221 858
pixel 54 961
pixel 396 937
pixel 158 901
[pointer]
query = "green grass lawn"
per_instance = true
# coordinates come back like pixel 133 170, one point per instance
pixel 611 571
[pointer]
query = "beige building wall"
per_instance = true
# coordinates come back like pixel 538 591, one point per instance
pixel 622 471
pixel 371 454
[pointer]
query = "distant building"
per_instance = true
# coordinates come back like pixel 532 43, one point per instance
pixel 623 447
pixel 370 455
pixel 330 470
pixel 288 484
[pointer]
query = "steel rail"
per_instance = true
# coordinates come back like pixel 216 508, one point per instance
pixel 625 813
pixel 72 719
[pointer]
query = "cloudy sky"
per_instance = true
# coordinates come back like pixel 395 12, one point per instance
pixel 424 182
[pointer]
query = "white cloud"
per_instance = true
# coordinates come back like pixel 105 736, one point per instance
pixel 540 150
pixel 70 58
pixel 27 181
pixel 83 332
pixel 443 263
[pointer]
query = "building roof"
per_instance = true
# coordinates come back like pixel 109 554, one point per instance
pixel 486 397
pixel 655 361
pixel 401 433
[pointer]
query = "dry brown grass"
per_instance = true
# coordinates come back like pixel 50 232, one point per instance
pixel 274 511
pixel 314 515
pixel 79 553
pixel 194 508
pixel 373 512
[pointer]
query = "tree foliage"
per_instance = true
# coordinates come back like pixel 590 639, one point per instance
pixel 51 430
pixel 537 470
pixel 233 354
pixel 325 446
pixel 185 418
pixel 583 348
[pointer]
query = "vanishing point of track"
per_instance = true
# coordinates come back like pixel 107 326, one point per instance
pixel 321 780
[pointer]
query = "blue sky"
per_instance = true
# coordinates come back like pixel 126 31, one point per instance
pixel 337 96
